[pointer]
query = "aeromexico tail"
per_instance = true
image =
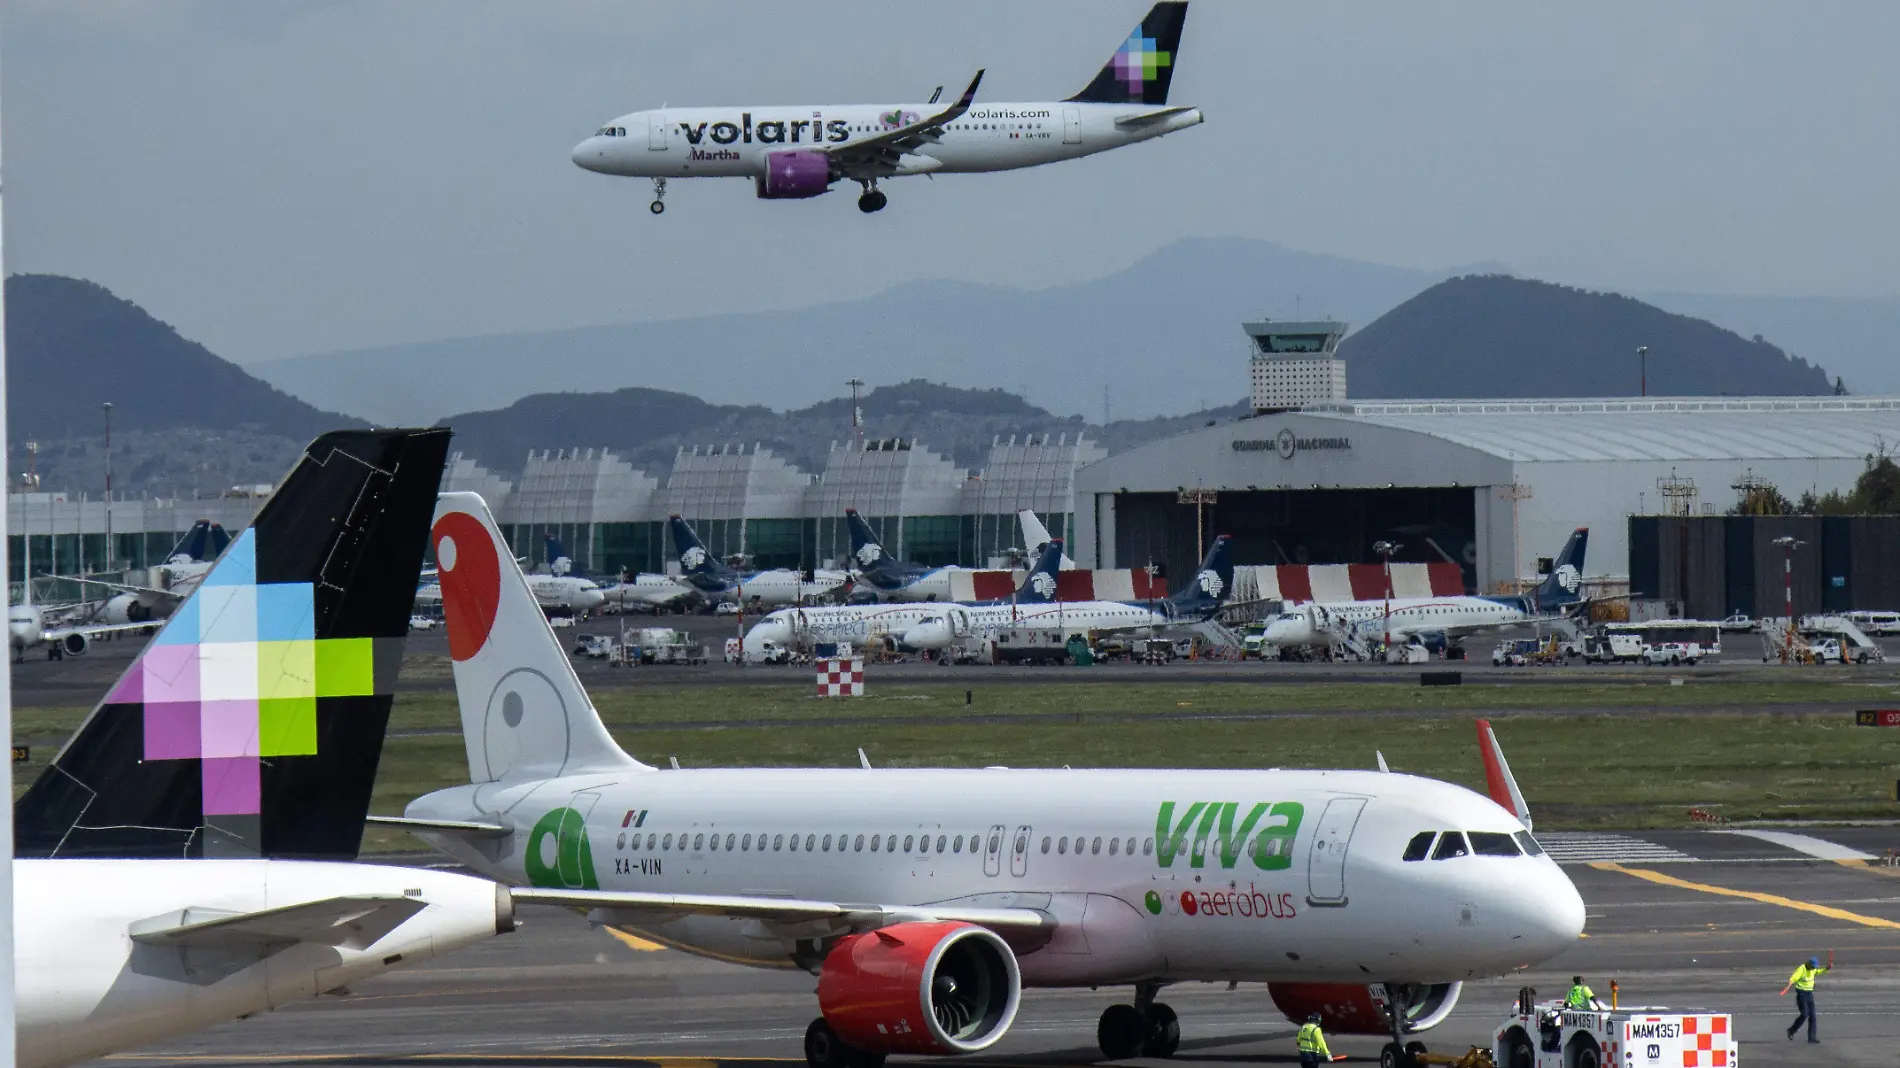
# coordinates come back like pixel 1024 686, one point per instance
pixel 716 580
pixel 151 897
pixel 798 152
pixel 925 899
pixel 893 579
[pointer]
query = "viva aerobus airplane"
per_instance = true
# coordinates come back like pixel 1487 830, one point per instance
pixel 184 860
pixel 799 152
pixel 925 900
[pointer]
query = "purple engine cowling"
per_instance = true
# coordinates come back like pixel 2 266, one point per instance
pixel 797 173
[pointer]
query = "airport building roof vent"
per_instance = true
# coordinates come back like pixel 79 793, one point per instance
pixel 1295 364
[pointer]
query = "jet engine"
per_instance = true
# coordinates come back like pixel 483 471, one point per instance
pixel 75 644
pixel 801 172
pixel 926 987
pixel 1350 1009
pixel 125 608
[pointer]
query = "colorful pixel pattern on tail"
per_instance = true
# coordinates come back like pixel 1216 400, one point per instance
pixel 234 678
pixel 1137 61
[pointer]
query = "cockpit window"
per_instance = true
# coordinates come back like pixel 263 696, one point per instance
pixel 1450 844
pixel 1531 848
pixel 1420 846
pixel 1493 844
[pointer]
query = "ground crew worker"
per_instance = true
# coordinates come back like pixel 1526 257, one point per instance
pixel 1802 983
pixel 1580 996
pixel 1312 1042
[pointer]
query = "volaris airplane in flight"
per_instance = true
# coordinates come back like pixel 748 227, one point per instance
pixel 797 152
pixel 926 899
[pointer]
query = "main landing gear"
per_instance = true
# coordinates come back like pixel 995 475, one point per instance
pixel 659 196
pixel 1145 1029
pixel 824 1049
pixel 871 200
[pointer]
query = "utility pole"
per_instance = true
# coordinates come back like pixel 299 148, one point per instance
pixel 1386 549
pixel 1642 356
pixel 1200 498
pixel 1788 545
pixel 108 410
pixel 857 419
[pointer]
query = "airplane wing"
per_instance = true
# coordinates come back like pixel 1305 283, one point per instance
pixel 783 910
pixel 91 630
pixel 876 157
pixel 123 586
pixel 355 922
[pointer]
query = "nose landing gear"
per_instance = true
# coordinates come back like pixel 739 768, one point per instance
pixel 659 196
pixel 871 200
pixel 1145 1029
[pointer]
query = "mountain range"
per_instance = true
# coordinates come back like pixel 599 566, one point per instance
pixel 1160 337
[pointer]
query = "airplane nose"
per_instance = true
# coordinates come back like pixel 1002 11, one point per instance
pixel 1551 915
pixel 588 154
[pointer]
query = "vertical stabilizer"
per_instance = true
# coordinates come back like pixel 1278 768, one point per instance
pixel 1141 69
pixel 1564 586
pixel 1039 585
pixel 1036 538
pixel 524 713
pixel 1497 775
pixel 252 724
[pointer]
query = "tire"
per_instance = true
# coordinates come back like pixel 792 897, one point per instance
pixel 657 207
pixel 1121 1032
pixel 1164 1032
pixel 824 1049
pixel 1585 1053
pixel 1392 1055
pixel 1518 1052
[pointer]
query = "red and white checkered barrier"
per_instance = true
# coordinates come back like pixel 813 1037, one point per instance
pixel 840 678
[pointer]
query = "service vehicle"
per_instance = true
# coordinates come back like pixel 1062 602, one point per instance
pixel 595 646
pixel 1603 646
pixel 1879 623
pixel 1740 623
pixel 1672 653
pixel 1546 1034
pixel 1703 632
pixel 1515 651
pixel 421 623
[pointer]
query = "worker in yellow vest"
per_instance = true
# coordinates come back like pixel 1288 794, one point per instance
pixel 1802 983
pixel 1312 1043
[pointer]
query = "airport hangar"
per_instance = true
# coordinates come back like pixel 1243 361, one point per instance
pixel 1323 483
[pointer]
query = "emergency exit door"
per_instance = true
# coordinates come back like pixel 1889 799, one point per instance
pixel 1019 853
pixel 1326 862
pixel 1071 126
pixel 656 131
pixel 993 851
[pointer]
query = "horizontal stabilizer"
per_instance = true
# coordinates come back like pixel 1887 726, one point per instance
pixel 469 828
pixel 782 910
pixel 355 922
pixel 1149 118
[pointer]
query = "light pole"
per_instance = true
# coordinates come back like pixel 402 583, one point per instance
pixel 1515 492
pixel 1642 356
pixel 1788 545
pixel 108 410
pixel 1386 549
pixel 857 425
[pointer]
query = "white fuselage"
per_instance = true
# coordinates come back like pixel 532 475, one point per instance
pixel 85 988
pixel 646 589
pixel 732 142
pixel 780 586
pixel 566 593
pixel 1317 623
pixel 1171 875
pixel 938 626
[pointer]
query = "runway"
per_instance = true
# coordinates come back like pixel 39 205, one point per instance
pixel 557 993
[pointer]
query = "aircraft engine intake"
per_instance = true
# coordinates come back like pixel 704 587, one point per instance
pixel 928 988
pixel 1351 1009
pixel 125 608
pixel 75 644
pixel 794 174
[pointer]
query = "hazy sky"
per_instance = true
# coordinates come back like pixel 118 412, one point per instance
pixel 278 179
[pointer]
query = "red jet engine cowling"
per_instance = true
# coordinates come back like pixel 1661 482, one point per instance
pixel 930 988
pixel 1352 1009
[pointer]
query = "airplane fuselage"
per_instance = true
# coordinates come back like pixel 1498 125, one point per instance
pixel 1409 616
pixel 934 627
pixel 733 142
pixel 1172 875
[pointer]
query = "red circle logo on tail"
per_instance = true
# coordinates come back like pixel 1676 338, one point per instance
pixel 470 574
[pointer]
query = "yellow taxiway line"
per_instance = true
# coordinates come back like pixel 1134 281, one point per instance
pixel 1750 895
pixel 632 942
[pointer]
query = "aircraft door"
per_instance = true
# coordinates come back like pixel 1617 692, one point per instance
pixel 1019 853
pixel 993 851
pixel 959 622
pixel 656 131
pixel 1071 126
pixel 1326 863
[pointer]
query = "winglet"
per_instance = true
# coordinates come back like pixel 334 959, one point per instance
pixel 863 761
pixel 1381 757
pixel 969 95
pixel 1497 775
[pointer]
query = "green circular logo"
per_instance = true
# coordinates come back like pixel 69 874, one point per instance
pixel 1154 902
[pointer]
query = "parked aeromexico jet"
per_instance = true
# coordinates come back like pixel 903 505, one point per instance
pixel 716 580
pixel 182 863
pixel 1450 618
pixel 797 152
pixel 891 578
pixel 924 900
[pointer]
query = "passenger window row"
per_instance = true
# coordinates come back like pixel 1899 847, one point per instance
pixel 733 842
pixel 1459 843
pixel 1116 846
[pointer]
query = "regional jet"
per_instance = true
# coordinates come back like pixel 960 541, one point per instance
pixel 185 861
pixel 926 899
pixel 793 153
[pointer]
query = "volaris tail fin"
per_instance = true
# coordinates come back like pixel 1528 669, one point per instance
pixel 524 713
pixel 1039 585
pixel 1140 70
pixel 252 724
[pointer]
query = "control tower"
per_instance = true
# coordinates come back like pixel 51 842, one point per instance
pixel 1296 364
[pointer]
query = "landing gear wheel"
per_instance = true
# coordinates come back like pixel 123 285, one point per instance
pixel 1122 1032
pixel 659 196
pixel 824 1049
pixel 1164 1032
pixel 871 201
pixel 657 207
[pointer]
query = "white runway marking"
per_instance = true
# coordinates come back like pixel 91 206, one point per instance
pixel 1819 848
pixel 1580 847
